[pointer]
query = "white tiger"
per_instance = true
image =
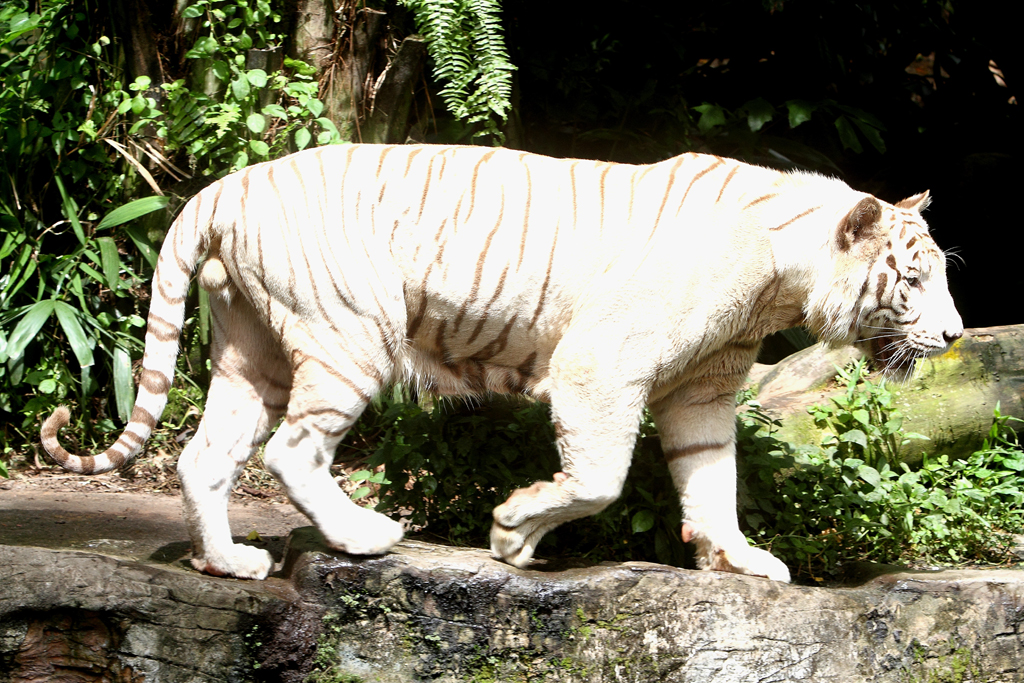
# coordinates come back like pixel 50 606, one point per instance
pixel 598 287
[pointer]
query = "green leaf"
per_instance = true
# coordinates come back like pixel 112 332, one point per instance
pixel 257 123
pixel 869 474
pixel 711 115
pixel 799 111
pixel 855 436
pixel 360 492
pixel 240 88
pixel 132 210
pixel 221 70
pixel 361 475
pixel 124 390
pixel 643 521
pixel 70 209
pixel 192 12
pixel 302 138
pixel 872 134
pixel 68 318
pixel 143 244
pixel 299 67
pixel 110 261
pixel 28 327
pixel 275 110
pixel 847 135
pixel 759 112
pixel 205 46
pixel 315 106
pixel 204 316
pixel 259 147
pixel 862 416
pixel 256 77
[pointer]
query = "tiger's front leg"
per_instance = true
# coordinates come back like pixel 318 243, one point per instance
pixel 698 436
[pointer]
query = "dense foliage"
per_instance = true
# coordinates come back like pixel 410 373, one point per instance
pixel 79 143
pixel 849 498
pixel 818 507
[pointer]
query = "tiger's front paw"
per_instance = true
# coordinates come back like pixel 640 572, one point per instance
pixel 734 555
pixel 751 561
pixel 240 562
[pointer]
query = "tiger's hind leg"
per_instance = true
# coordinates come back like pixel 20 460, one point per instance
pixel 249 391
pixel 596 417
pixel 330 393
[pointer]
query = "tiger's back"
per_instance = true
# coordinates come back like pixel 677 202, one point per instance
pixel 474 260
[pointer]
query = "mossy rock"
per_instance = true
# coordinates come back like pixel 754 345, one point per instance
pixel 950 399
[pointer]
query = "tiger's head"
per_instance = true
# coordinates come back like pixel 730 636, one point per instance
pixel 904 310
pixel 885 288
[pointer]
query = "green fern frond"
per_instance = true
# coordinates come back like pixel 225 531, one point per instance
pixel 466 42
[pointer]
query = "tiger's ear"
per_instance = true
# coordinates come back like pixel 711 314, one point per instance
pixel 860 223
pixel 919 202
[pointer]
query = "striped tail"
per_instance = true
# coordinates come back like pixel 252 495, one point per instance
pixel 184 245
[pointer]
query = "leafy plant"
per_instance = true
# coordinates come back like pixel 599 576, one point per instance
pixel 863 422
pixel 75 248
pixel 250 115
pixel 466 42
pixel 68 279
pixel 818 507
pixel 449 464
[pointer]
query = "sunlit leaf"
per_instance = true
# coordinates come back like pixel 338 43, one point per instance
pixel 240 88
pixel 257 123
pixel 110 261
pixel 68 318
pixel 28 327
pixel 257 77
pixel 132 210
pixel 124 389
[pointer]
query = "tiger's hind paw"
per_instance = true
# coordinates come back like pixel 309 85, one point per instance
pixel 240 562
pixel 364 532
pixel 514 545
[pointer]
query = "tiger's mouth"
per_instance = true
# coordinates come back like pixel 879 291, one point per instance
pixel 894 355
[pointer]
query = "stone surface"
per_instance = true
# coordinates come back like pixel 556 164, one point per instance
pixel 950 399
pixel 428 612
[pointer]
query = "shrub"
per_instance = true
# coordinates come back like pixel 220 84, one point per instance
pixel 820 507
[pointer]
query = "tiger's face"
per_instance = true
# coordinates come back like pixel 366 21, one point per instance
pixel 906 309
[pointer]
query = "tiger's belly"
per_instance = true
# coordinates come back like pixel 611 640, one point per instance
pixel 459 355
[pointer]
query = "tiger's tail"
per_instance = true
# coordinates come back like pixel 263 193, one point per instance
pixel 186 242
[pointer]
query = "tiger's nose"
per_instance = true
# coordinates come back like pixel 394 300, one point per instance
pixel 952 335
